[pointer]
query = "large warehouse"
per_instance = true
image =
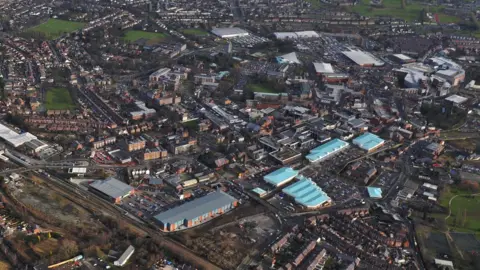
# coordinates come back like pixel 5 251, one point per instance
pixel 14 139
pixel 229 32
pixel 326 150
pixel 197 211
pixel 368 141
pixel 280 176
pixel 363 59
pixel 296 35
pixel 112 189
pixel 307 193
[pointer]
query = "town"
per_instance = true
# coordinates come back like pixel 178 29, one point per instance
pixel 270 134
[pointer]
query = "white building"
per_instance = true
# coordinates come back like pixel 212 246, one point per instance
pixel 125 256
pixel 229 32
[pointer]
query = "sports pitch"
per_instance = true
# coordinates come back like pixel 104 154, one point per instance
pixel 55 28
pixel 151 37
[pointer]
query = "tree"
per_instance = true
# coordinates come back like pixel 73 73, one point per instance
pixel 2 88
pixel 423 15
pixel 69 248
pixel 468 185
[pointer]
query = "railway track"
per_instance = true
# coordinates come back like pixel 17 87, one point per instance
pixel 96 204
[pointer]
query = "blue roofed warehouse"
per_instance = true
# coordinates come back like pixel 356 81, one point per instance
pixel 368 141
pixel 307 193
pixel 280 176
pixel 326 150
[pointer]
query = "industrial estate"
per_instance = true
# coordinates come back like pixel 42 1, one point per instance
pixel 279 134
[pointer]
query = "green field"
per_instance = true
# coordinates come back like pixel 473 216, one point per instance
pixel 55 28
pixel 59 99
pixel 261 88
pixel 194 32
pixel 152 37
pixel 393 8
pixel 315 3
pixel 465 215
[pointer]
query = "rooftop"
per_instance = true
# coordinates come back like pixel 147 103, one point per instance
pixel 368 141
pixel 233 31
pixel 323 68
pixel 13 137
pixel 288 58
pixel 362 58
pixel 326 149
pixel 195 208
pixel 374 192
pixel 456 99
pixel 402 57
pixel 259 191
pixel 280 176
pixel 306 193
pixel 112 187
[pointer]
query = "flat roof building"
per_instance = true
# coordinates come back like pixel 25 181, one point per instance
pixel 326 150
pixel 197 211
pixel 456 99
pixel 259 191
pixel 363 59
pixel 402 58
pixel 323 68
pixel 374 192
pixel 307 193
pixel 368 141
pixel 229 32
pixel 280 176
pixel 286 155
pixel 125 256
pixel 112 189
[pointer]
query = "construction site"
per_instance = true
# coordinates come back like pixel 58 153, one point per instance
pixel 232 240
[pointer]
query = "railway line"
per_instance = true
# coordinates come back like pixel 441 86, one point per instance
pixel 96 204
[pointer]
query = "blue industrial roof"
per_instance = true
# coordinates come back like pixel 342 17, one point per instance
pixel 259 191
pixel 325 149
pixel 195 208
pixel 281 175
pixel 374 192
pixel 368 141
pixel 306 192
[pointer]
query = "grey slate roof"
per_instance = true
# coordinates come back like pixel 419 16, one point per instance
pixel 112 187
pixel 196 208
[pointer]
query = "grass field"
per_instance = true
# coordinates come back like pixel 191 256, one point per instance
pixel 54 28
pixel 260 88
pixel 393 8
pixel 152 37
pixel 59 99
pixel 465 216
pixel 194 32
pixel 315 3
